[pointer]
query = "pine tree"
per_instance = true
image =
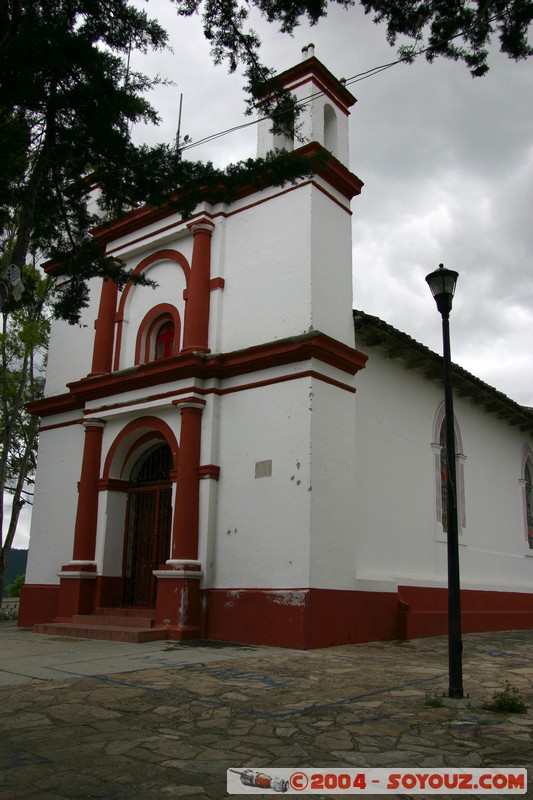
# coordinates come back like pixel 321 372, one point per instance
pixel 23 346
pixel 68 100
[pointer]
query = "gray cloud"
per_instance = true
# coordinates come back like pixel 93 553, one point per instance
pixel 447 162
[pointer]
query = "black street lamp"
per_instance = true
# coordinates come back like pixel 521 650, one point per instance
pixel 442 284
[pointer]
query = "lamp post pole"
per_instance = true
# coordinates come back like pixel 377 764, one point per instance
pixel 442 284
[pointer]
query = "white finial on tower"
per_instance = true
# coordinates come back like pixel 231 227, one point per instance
pixel 304 53
pixel 310 50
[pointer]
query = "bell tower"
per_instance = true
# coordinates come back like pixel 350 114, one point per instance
pixel 325 104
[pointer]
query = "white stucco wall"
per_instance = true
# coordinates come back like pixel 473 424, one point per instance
pixel 171 282
pixel 263 523
pixel 398 536
pixel 55 502
pixel 315 124
pixel 331 274
pixel 71 346
pixel 333 508
pixel 282 262
pixel 267 294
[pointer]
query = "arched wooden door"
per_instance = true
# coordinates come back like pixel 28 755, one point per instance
pixel 148 525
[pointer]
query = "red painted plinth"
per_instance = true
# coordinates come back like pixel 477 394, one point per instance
pixel 300 618
pixel 76 595
pixel 38 603
pixel 423 611
pixel 179 605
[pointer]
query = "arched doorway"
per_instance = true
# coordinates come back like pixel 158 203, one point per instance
pixel 148 524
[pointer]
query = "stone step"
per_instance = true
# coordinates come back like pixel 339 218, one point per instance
pixel 126 611
pixel 118 621
pixel 104 632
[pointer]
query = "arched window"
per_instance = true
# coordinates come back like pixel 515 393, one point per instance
pixel 527 482
pixel 330 129
pixel 441 473
pixel 158 335
pixel 164 340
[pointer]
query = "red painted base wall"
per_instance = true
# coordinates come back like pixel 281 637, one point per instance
pixel 38 603
pixel 424 611
pixel 311 618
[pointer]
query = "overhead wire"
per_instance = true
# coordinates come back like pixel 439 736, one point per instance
pixel 360 76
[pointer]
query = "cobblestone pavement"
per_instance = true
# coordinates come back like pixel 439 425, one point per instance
pixel 173 730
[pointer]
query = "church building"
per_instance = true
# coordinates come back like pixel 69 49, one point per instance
pixel 238 455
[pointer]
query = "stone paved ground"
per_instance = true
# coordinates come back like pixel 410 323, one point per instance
pixel 173 731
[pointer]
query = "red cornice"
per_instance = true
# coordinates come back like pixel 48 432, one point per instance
pixel 332 171
pixel 135 220
pixel 206 366
pixel 57 404
pixel 313 67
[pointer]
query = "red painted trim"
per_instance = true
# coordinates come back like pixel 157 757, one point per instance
pixel 139 218
pixel 78 421
pixel 334 172
pixel 113 485
pixel 313 68
pixel 154 424
pixel 221 392
pixel 185 523
pixel 161 255
pixel 310 373
pixel 179 607
pixel 226 214
pixel 308 618
pixel 148 398
pixel 57 404
pixel 87 511
pixel 320 87
pixel 151 436
pixel 330 197
pixel 77 568
pixel 300 618
pixel 155 317
pixel 190 400
pixel 216 283
pixel 424 612
pixel 211 471
pixel 220 366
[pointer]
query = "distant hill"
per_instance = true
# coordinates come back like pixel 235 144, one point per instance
pixel 16 565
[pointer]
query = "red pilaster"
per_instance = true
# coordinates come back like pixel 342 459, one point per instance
pixel 186 512
pixel 179 600
pixel 104 334
pixel 196 325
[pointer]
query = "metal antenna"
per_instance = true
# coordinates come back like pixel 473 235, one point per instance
pixel 179 125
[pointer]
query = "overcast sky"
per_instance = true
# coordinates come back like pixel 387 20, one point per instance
pixel 447 163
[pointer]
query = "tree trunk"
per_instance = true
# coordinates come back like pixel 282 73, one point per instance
pixel 18 501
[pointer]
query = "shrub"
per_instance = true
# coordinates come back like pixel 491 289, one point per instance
pixel 508 701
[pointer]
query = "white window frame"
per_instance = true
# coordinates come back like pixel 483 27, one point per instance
pixel 460 459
